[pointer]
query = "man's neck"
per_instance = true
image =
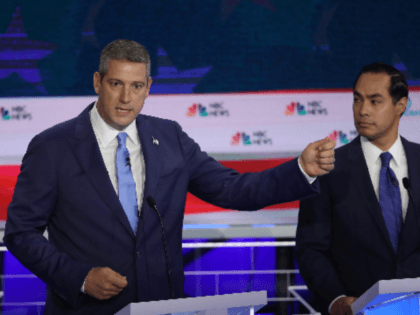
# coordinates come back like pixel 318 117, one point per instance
pixel 384 143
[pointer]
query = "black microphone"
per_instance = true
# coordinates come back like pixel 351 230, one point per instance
pixel 407 185
pixel 127 161
pixel 152 204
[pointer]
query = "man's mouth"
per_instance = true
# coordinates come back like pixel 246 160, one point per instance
pixel 364 123
pixel 123 110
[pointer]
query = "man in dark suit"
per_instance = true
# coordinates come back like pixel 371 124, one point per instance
pixel 363 228
pixel 88 180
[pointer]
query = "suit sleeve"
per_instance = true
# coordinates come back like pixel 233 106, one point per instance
pixel 313 244
pixel 226 188
pixel 27 218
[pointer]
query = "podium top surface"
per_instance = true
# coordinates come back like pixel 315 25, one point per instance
pixel 222 302
pixel 385 290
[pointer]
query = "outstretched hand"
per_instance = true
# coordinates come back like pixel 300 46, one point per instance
pixel 103 283
pixel 318 157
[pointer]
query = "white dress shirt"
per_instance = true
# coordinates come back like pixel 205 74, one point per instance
pixel 108 143
pixel 398 164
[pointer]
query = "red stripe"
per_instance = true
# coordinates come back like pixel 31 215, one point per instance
pixel 195 205
pixel 8 178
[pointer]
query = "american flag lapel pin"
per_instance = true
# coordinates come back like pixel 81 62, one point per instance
pixel 155 141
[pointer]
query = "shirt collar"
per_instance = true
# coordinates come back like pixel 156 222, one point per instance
pixel 106 133
pixel 372 153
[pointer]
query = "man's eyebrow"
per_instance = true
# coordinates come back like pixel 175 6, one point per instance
pixel 368 96
pixel 118 80
pixel 375 95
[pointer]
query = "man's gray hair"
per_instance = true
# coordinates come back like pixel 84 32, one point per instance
pixel 123 49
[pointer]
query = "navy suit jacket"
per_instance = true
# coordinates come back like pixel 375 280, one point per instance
pixel 64 187
pixel 342 243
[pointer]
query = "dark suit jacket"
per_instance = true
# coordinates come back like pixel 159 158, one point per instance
pixel 342 243
pixel 64 186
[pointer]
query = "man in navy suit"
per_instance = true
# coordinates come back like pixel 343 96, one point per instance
pixel 347 238
pixel 87 180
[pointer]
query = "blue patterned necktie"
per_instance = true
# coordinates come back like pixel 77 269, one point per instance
pixel 390 199
pixel 126 184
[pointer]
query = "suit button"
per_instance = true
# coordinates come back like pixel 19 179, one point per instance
pixel 138 254
pixel 398 267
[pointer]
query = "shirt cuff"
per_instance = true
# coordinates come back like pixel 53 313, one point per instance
pixel 331 304
pixel 309 178
pixel 82 289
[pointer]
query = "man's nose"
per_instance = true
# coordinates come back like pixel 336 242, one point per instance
pixel 125 96
pixel 364 108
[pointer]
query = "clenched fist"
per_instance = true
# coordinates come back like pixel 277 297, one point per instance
pixel 318 157
pixel 103 283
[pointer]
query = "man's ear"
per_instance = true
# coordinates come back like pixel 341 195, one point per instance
pixel 97 82
pixel 149 83
pixel 401 105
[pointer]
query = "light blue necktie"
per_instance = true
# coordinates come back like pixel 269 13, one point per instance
pixel 126 184
pixel 390 199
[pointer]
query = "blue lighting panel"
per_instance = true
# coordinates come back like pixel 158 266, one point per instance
pixel 21 290
pixel 226 259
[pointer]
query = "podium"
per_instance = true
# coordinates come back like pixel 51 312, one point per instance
pixel 227 304
pixel 398 296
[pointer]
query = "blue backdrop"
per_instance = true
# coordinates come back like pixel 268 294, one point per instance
pixel 52 48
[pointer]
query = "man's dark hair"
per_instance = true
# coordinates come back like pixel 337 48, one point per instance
pixel 123 49
pixel 398 87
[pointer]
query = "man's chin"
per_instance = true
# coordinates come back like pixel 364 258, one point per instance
pixel 121 124
pixel 365 133
pixel 368 136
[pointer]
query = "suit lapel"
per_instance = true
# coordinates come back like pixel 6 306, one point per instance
pixel 150 144
pixel 87 151
pixel 360 175
pixel 413 156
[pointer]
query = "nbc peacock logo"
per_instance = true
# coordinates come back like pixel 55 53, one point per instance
pixel 241 137
pixel 213 109
pixel 256 138
pixel 341 137
pixel 311 108
pixel 17 112
pixel 295 107
pixel 4 114
pixel 197 109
